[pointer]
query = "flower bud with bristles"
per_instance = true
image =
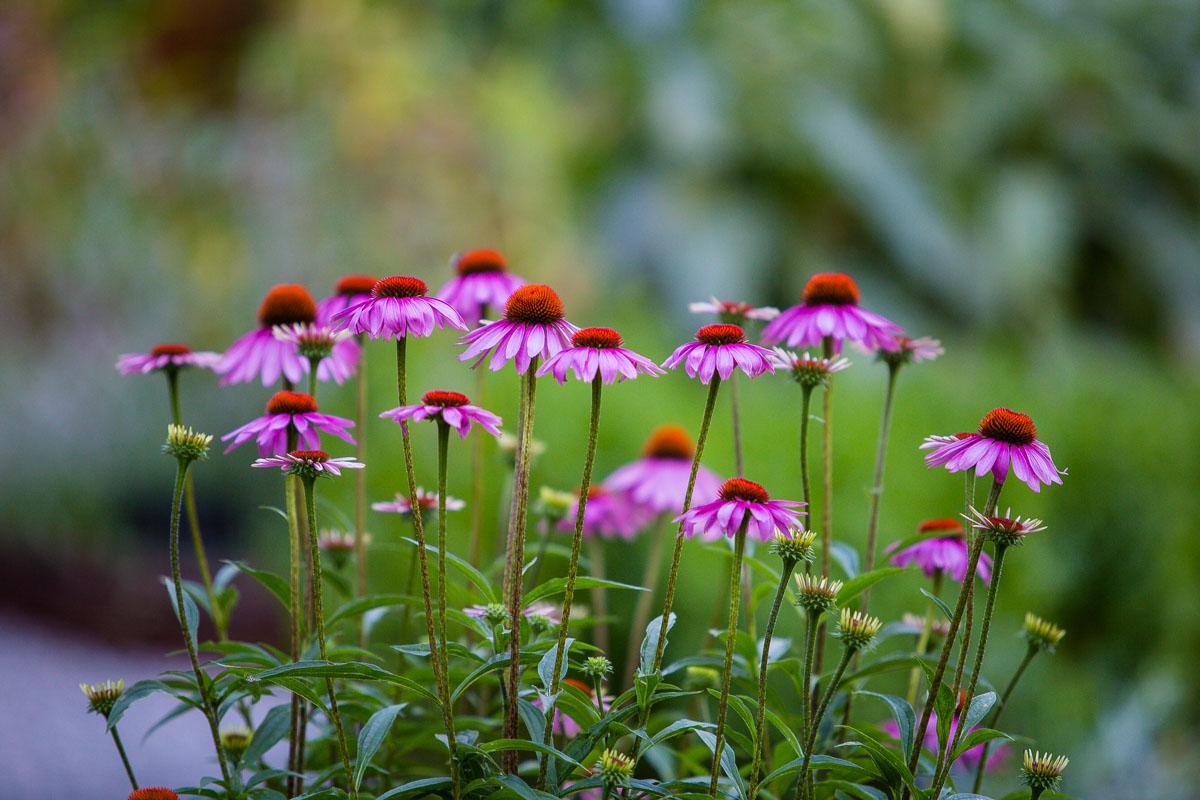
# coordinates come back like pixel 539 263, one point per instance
pixel 1043 771
pixel 102 696
pixel 495 614
pixel 795 546
pixel 186 444
pixel 1041 634
pixel 597 667
pixel 815 594
pixel 553 504
pixel 702 678
pixel 1006 531
pixel 857 629
pixel 235 743
pixel 614 769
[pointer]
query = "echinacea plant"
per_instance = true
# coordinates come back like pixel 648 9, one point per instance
pixel 487 678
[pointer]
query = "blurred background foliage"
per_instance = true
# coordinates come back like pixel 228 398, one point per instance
pixel 1018 179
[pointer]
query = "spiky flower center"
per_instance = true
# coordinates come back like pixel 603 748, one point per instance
pixel 1009 426
pixel 445 399
pixel 947 525
pixel 857 629
pixel 1042 633
pixel 599 338
pixel 742 489
pixel 170 350
pixel 473 262
pixel 830 289
pixel 669 441
pixel 310 455
pixel 153 793
pixel 285 304
pixel 399 286
pixel 1043 771
pixel 534 304
pixel 721 333
pixel 291 403
pixel 350 285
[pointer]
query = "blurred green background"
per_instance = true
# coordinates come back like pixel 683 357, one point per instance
pixel 1018 179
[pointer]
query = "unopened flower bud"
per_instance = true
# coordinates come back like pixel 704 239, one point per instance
pixel 815 594
pixel 1041 634
pixel 857 629
pixel 102 697
pixel 1043 771
pixel 597 667
pixel 186 444
pixel 794 546
pixel 614 769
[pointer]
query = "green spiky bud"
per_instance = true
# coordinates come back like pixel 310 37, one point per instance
pixel 235 743
pixel 495 614
pixel 794 546
pixel 857 629
pixel 1043 771
pixel 186 444
pixel 1041 634
pixel 614 768
pixel 102 697
pixel 597 667
pixel 815 594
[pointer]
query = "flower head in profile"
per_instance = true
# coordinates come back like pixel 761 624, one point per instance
pixel 426 501
pixel 910 351
pixel 533 326
pixel 1005 439
pixel 607 515
pixel 807 370
pixel 481 281
pixel 945 552
pixel 794 546
pixel 732 312
pixel 738 500
pixel 102 697
pixel 597 351
pixel 719 350
pixel 915 624
pixel 186 444
pixel 153 793
pixel 1041 634
pixel 163 357
pixel 348 291
pixel 1042 772
pixel 830 308
pixel 658 480
pixel 1004 531
pixel 553 504
pixel 308 463
pixel 235 742
pixel 493 613
pixel 259 354
pixel 452 408
pixel 397 308
pixel 857 629
pixel 336 353
pixel 816 594
pixel 289 411
pixel 338 545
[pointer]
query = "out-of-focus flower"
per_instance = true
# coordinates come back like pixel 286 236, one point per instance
pixel 597 351
pixel 533 327
pixel 397 308
pixel 719 350
pixel 1005 439
pixel 910 351
pixel 235 742
pixel 336 354
pixel 426 501
pixel 350 290
pixel 289 411
pixel 830 309
pixel 453 408
pixel 740 499
pixel 482 281
pixel 658 480
pixel 607 515
pixel 946 554
pixel 259 354
pixel 939 627
pixel 807 370
pixel 732 312
pixel 164 357
pixel 1041 634
pixel 969 759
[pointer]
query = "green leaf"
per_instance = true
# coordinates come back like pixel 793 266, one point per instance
pixel 817 761
pixel 846 558
pixel 493 664
pixel 676 728
pixel 857 585
pixel 855 790
pixel 354 670
pixel 558 585
pixel 131 695
pixel 978 737
pixel 371 737
pixel 522 744
pixel 650 642
pixel 978 709
pixel 521 788
pixel 889 762
pixel 546 668
pixel 728 761
pixel 359 605
pixel 477 577
pixel 273 583
pixel 422 786
pixel 268 733
pixel 969 796
pixel 902 712
pixel 937 601
pixel 191 613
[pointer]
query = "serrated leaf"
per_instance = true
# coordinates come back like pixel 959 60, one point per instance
pixel 371 737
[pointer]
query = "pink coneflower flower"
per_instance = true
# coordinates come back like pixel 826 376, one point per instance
pixel 597 350
pixel 453 408
pixel 911 351
pixel 606 515
pixel 397 308
pixel 657 481
pixel 807 370
pixel 426 501
pixel 1005 438
pixel 496 611
pixel 969 760
pixel 720 349
pixel 335 352
pixel 738 498
pixel 1006 530
pixel 259 354
pixel 831 308
pixel 350 290
pixel 732 312
pixel 289 410
pixel 308 463
pixel 945 553
pixel 533 326
pixel 166 356
pixel 483 281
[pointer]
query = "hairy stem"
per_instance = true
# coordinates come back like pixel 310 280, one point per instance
pixel 1030 652
pixel 826 483
pixel 739 461
pixel 116 737
pixel 360 481
pixel 760 719
pixel 815 723
pixel 473 547
pixel 735 596
pixel 914 677
pixel 885 425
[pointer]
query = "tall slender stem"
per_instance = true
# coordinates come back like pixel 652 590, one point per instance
pixel 760 720
pixel 116 737
pixel 914 677
pixel 572 567
pixel 826 483
pixel 815 724
pixel 297 614
pixel 516 546
pixel 599 599
pixel 423 561
pixel 735 596
pixel 201 678
pixel 1030 652
pixel 360 479
pixel 443 434
pixel 739 462
pixel 473 546
pixel 310 504
pixel 805 403
pixel 641 614
pixel 810 646
pixel 885 425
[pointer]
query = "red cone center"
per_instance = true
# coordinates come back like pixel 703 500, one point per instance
pixel 445 399
pixel 170 350
pixel 1008 426
pixel 831 289
pixel 473 262
pixel 600 338
pixel 720 334
pixel 742 489
pixel 285 304
pixel 536 304
pixel 291 403
pixel 399 286
pixel 670 441
pixel 350 285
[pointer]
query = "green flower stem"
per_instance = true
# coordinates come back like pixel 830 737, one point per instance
pixel 360 480
pixel 760 720
pixel 443 437
pixel 810 646
pixel 914 677
pixel 201 679
pixel 193 518
pixel 572 567
pixel 815 723
pixel 116 737
pixel 295 611
pixel 739 462
pixel 310 504
pixel 474 556
pixel 599 598
pixel 805 405
pixel 995 715
pixel 939 672
pixel 826 484
pixel 985 628
pixel 885 425
pixel 641 614
pixel 423 561
pixel 735 597
pixel 516 547
pixel 1035 793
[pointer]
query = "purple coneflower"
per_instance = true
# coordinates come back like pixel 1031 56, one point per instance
pixel 657 481
pixel 807 370
pixel 830 309
pixel 911 351
pixel 739 497
pixel 597 350
pixel 166 356
pixel 546 611
pixel 259 354
pixel 335 352
pixel 397 308
pixel 533 326
pixel 605 515
pixel 453 408
pixel 1005 438
pixel 969 760
pixel 945 553
pixel 289 410
pixel 563 724
pixel 732 312
pixel 350 290
pixel 308 463
pixel 426 501
pixel 483 281
pixel 1006 530
pixel 720 349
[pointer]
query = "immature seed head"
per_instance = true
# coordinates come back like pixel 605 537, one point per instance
pixel 596 667
pixel 830 289
pixel 794 546
pixel 286 304
pixel 186 444
pixel 553 504
pixel 669 441
pixel 614 769
pixel 816 594
pixel 399 286
pixel 1009 426
pixel 1005 531
pixel 720 333
pixel 351 285
pixel 170 349
pixel 102 697
pixel 473 262
pixel 495 614
pixel 857 629
pixel 1043 771
pixel 1041 634
pixel 534 304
